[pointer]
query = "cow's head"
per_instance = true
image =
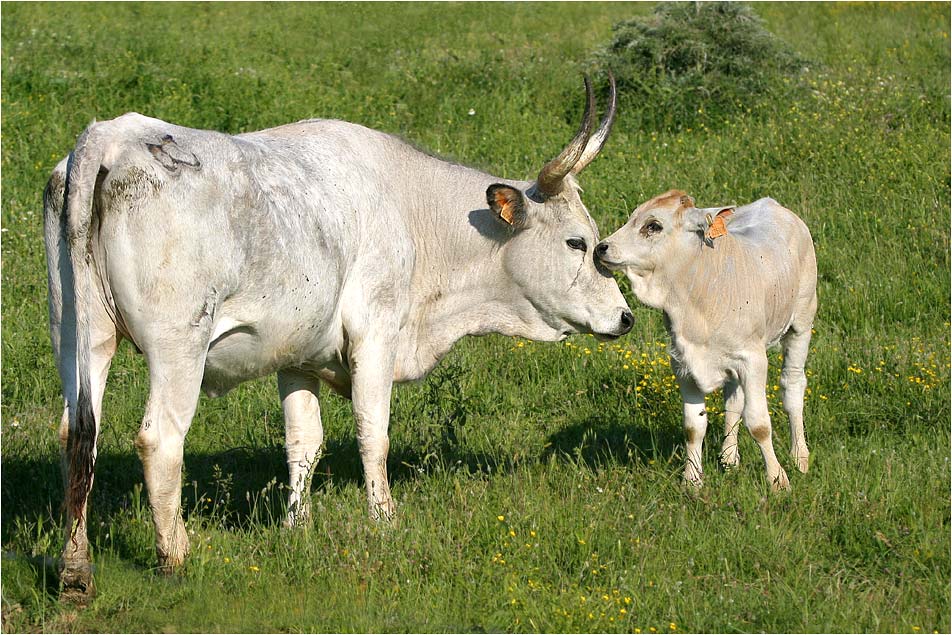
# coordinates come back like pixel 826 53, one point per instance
pixel 550 252
pixel 662 232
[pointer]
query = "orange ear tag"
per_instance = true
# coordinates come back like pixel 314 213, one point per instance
pixel 716 227
pixel 505 208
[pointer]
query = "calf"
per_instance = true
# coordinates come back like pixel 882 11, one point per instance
pixel 732 282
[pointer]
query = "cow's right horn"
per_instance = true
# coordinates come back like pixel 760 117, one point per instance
pixel 550 178
pixel 597 141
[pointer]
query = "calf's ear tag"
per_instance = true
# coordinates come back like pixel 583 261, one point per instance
pixel 715 225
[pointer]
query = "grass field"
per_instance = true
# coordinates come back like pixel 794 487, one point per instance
pixel 537 484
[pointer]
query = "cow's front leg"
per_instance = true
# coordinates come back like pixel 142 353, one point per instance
pixel 303 436
pixel 371 367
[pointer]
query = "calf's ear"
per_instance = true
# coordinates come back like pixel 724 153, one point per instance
pixel 508 204
pixel 710 221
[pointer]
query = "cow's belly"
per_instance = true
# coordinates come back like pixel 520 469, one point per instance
pixel 246 351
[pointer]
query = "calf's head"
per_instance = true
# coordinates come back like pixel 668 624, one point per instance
pixel 663 232
pixel 550 254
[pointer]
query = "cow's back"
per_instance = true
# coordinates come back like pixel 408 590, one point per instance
pixel 253 237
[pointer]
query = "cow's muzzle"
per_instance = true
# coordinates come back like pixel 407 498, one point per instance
pixel 625 322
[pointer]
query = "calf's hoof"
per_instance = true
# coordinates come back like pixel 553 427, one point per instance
pixel 729 459
pixel 802 461
pixel 780 483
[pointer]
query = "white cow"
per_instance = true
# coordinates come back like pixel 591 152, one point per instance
pixel 321 250
pixel 731 282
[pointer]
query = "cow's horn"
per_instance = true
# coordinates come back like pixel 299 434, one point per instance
pixel 597 141
pixel 550 178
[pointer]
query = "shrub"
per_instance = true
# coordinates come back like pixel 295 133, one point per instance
pixel 686 57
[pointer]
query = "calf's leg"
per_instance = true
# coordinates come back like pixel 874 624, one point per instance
pixel 695 426
pixel 733 408
pixel 793 380
pixel 753 381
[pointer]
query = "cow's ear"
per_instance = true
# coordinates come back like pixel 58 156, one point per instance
pixel 508 204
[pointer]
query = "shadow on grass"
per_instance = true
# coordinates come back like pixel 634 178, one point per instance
pixel 598 442
pixel 245 486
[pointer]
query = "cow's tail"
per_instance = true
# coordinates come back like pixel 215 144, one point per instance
pixel 82 173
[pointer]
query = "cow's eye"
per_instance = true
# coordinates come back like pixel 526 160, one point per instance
pixel 652 227
pixel 577 243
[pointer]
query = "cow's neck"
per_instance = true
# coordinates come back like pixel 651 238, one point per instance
pixel 449 314
pixel 460 287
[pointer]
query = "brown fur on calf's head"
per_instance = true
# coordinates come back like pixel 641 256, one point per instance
pixel 672 200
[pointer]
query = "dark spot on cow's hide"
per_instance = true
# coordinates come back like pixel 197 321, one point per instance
pixel 171 156
pixel 54 196
pixel 131 183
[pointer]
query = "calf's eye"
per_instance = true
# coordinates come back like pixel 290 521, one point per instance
pixel 577 243
pixel 652 227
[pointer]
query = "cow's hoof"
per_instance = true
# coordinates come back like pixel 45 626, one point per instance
pixel 173 559
pixel 383 511
pixel 298 516
pixel 169 565
pixel 76 585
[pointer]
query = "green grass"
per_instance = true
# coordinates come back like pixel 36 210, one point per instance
pixel 578 455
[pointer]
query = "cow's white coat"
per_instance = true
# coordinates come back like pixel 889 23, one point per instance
pixel 323 251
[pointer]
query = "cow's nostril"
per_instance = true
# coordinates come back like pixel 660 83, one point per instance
pixel 627 319
pixel 600 249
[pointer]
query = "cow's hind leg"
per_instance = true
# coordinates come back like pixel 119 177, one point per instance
pixel 75 571
pixel 303 434
pixel 756 416
pixel 793 380
pixel 733 408
pixel 175 378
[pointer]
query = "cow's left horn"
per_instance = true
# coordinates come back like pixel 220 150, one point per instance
pixel 597 141
pixel 550 178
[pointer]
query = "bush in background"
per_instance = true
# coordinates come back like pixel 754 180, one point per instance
pixel 696 60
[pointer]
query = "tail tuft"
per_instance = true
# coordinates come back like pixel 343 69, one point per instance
pixel 81 454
